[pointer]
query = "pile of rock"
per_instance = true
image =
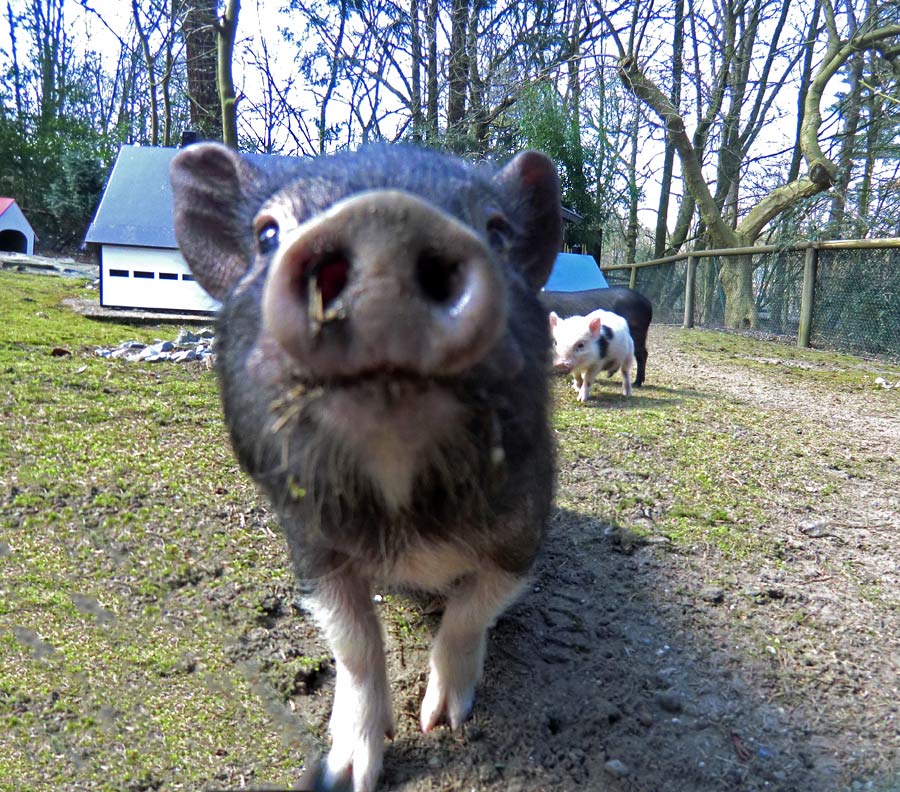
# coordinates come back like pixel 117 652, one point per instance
pixel 186 347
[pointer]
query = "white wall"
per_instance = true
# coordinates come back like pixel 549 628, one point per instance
pixel 134 277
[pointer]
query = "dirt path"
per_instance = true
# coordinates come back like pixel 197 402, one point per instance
pixel 634 665
pixel 635 659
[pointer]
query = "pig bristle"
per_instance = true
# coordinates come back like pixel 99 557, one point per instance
pixel 292 404
pixel 456 466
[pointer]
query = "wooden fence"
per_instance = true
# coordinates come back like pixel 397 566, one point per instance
pixel 811 258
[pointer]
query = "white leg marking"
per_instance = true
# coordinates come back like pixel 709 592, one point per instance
pixel 585 390
pixel 361 715
pixel 457 656
pixel 626 377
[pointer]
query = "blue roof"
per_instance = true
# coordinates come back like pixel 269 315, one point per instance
pixel 136 207
pixel 575 272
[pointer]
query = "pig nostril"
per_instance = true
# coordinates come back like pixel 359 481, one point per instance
pixel 331 274
pixel 329 271
pixel 439 277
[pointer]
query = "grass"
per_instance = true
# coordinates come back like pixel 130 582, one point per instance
pixel 706 470
pixel 134 553
pixel 793 364
pixel 119 489
pixel 672 469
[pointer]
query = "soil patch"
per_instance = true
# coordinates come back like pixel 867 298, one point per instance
pixel 638 663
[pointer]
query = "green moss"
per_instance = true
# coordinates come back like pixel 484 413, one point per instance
pixel 116 481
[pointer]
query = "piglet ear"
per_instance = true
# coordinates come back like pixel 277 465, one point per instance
pixel 596 327
pixel 554 318
pixel 212 228
pixel 532 180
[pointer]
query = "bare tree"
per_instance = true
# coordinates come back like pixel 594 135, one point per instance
pixel 725 223
pixel 199 27
pixel 457 67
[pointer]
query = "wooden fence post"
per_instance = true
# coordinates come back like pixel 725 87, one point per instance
pixel 807 296
pixel 690 291
pixel 632 279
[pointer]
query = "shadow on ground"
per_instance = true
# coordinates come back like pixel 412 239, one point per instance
pixel 596 681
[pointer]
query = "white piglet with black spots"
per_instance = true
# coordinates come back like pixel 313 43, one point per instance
pixel 587 345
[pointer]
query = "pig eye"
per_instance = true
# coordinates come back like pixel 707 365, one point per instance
pixel 267 236
pixel 579 346
pixel 499 233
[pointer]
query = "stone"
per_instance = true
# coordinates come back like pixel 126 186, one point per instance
pixel 616 768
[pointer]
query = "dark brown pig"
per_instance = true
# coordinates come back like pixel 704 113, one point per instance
pixel 382 357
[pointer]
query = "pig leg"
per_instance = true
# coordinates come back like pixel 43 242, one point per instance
pixel 361 715
pixel 577 380
pixel 457 656
pixel 585 390
pixel 626 376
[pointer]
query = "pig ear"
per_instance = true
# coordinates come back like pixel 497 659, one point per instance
pixel 209 183
pixel 532 177
pixel 596 327
pixel 554 318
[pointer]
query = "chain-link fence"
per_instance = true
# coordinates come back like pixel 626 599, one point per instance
pixel 856 296
pixel 857 304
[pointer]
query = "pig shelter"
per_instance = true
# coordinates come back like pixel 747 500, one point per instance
pixel 140 264
pixel 573 272
pixel 16 233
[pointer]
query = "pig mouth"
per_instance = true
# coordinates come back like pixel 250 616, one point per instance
pixel 392 385
pixel 389 385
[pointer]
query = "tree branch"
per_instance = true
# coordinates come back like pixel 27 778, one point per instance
pixel 691 167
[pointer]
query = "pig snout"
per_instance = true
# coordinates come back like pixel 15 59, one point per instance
pixel 383 282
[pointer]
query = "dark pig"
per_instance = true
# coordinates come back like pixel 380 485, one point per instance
pixel 382 358
pixel 634 306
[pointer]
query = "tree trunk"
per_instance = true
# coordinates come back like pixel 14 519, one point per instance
pixel 150 63
pixel 477 116
pixel 665 188
pixel 167 95
pixel 431 109
pixel 457 70
pixel 199 28
pixel 227 30
pixel 876 114
pixel 631 231
pixel 736 275
pixel 415 103
pixel 334 67
pixel 17 74
pixel 805 80
pixel 851 111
